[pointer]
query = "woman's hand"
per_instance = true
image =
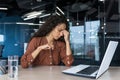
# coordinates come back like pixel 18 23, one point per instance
pixel 45 47
pixel 67 41
pixel 40 48
pixel 66 35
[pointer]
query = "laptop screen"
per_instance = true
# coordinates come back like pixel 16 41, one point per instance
pixel 107 57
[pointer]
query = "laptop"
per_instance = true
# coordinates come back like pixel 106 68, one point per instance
pixel 92 71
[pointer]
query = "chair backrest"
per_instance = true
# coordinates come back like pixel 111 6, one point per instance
pixel 1 50
pixel 25 47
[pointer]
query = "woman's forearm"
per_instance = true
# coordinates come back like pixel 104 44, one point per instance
pixel 68 48
pixel 36 52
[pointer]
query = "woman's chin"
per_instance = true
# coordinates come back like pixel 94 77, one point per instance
pixel 56 38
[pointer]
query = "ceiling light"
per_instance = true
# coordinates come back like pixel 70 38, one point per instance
pixel 77 23
pixel 27 18
pixel 57 13
pixel 31 15
pixel 68 19
pixel 23 23
pixel 101 0
pixel 41 22
pixel 3 8
pixel 60 10
pixel 34 13
pixel 44 15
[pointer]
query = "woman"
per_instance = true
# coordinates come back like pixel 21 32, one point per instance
pixel 49 45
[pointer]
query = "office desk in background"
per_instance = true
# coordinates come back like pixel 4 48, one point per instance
pixel 55 73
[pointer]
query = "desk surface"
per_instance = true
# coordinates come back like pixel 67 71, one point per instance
pixel 54 73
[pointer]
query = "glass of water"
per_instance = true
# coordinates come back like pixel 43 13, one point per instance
pixel 13 66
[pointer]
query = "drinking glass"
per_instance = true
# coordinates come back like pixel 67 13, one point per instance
pixel 13 66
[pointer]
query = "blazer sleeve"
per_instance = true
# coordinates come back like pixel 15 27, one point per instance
pixel 67 60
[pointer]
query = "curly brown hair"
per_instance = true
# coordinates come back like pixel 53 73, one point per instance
pixel 50 24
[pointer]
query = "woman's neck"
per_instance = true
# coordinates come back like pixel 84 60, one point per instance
pixel 50 39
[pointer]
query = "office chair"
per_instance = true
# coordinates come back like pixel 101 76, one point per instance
pixel 1 50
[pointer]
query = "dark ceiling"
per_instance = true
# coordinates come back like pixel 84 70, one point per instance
pixel 74 9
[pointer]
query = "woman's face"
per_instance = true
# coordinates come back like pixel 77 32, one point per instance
pixel 58 31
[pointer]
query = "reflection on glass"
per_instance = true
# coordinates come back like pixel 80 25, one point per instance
pixel 1 38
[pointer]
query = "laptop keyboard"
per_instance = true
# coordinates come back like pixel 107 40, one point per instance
pixel 88 70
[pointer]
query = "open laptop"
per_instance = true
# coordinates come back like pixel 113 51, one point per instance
pixel 94 71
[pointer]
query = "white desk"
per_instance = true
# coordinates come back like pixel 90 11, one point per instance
pixel 54 73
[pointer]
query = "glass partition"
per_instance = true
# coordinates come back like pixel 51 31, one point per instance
pixel 14 36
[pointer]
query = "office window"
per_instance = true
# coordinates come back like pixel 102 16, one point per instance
pixel 85 41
